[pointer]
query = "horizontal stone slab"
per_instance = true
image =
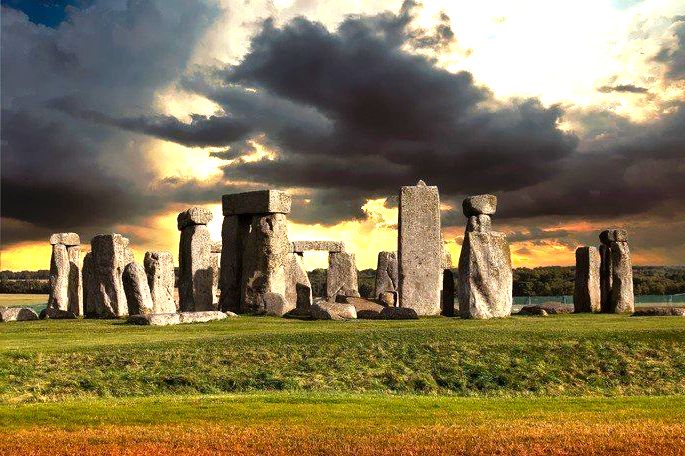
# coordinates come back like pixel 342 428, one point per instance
pixel 480 204
pixel 194 216
pixel 202 316
pixel 56 314
pixel 328 246
pixel 159 319
pixel 17 314
pixel 65 238
pixel 258 202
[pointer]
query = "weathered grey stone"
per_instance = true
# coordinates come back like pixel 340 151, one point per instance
pixel 155 319
pixel 215 262
pixel 332 311
pixel 365 308
pixel 298 286
pixel 68 239
pixel 342 275
pixel 159 268
pixel 613 235
pixel 59 278
pixel 446 260
pixel 195 270
pixel 551 308
pixel 234 233
pixel 536 311
pixel 110 255
pixel 17 314
pixel 586 293
pixel 90 288
pixel 275 304
pixel 75 280
pixel 398 313
pixel 194 216
pixel 420 249
pixel 266 262
pixel 485 276
pixel 605 277
pixel 201 317
pixel 479 223
pixel 480 204
pixel 328 246
pixel 137 290
pixel 622 298
pixel 660 312
pixel 259 202
pixel 230 314
pixel 386 276
pixel 56 314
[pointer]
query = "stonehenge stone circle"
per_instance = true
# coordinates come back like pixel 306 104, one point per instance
pixel 342 275
pixel 485 274
pixel 586 293
pixel 66 284
pixel 258 202
pixel 616 272
pixel 420 249
pixel 195 271
pixel 110 255
pixel 386 277
pixel 159 268
pixel 137 290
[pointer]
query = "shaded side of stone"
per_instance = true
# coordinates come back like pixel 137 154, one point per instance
pixel 605 278
pixel 137 290
pixel 386 275
pixel 622 299
pixel 298 286
pixel 195 271
pixel 59 278
pixel 342 275
pixel 234 232
pixel 586 292
pixel 159 269
pixel 75 280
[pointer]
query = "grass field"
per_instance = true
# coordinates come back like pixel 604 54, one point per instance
pixel 568 384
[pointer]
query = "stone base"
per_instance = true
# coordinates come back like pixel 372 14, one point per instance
pixel 17 314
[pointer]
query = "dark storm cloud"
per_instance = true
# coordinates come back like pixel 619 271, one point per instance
pixel 673 54
pixel 623 88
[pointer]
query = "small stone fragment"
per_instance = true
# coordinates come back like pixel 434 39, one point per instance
pixel 17 314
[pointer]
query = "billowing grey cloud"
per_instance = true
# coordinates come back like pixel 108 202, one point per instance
pixel 623 88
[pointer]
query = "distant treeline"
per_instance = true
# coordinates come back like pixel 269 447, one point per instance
pixel 542 281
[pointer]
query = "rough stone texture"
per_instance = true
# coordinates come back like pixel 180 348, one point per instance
pixel 479 223
pixel 275 304
pixel 17 314
pixel 159 269
pixel 328 246
pixel 67 239
pixel 388 298
pixel 365 308
pixel 586 293
pixel 75 280
pixel 59 278
pixel 216 247
pixel 201 317
pixel 332 311
pixel 613 235
pixel 156 319
pixel 215 258
pixel 234 232
pixel 298 286
pixel 137 290
pixel 342 275
pixel 605 277
pixel 622 298
pixel 386 276
pixel 446 260
pixel 485 276
pixel 398 313
pixel 259 202
pixel 110 255
pixel 56 314
pixel 660 312
pixel 480 204
pixel 90 289
pixel 194 216
pixel 420 249
pixel 266 262
pixel 195 271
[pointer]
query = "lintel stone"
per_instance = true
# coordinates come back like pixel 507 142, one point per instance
pixel 328 246
pixel 68 239
pixel 194 216
pixel 257 202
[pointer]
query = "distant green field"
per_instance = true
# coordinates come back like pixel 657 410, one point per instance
pixel 23 300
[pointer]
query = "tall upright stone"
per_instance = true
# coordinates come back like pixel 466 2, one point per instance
pixel 485 274
pixel 616 273
pixel 75 280
pixel 59 278
pixel 195 271
pixel 586 293
pixel 216 262
pixel 605 277
pixel 110 255
pixel 159 268
pixel 341 279
pixel 137 290
pixel 419 249
pixel 66 285
pixel 89 287
pixel 387 276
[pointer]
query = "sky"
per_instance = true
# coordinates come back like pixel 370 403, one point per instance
pixel 117 115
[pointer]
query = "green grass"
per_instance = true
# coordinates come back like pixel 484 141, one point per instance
pixel 35 301
pixel 570 355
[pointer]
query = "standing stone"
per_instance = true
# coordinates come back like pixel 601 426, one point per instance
pixel 195 271
pixel 159 268
pixel 386 276
pixel 586 293
pixel 109 256
pixel 234 232
pixel 480 223
pixel 299 288
pixel 420 249
pixel 89 287
pixel 59 278
pixel 137 290
pixel 447 286
pixel 622 299
pixel 75 280
pixel 266 260
pixel 605 278
pixel 479 205
pixel 216 261
pixel 342 275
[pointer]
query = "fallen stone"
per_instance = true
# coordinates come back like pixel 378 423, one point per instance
pixel 17 314
pixel 485 276
pixel 159 269
pixel 194 216
pixel 586 292
pixel 201 317
pixel 480 204
pixel 479 223
pixel 56 314
pixel 420 249
pixel 230 314
pixel 660 312
pixel 342 275
pixel 275 304
pixel 365 308
pixel 533 311
pixel 554 308
pixel 157 319
pixel 622 299
pixel 68 239
pixel 59 278
pixel 258 202
pixel 386 276
pixel 398 313
pixel 137 290
pixel 332 311
pixel 195 271
pixel 327 246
